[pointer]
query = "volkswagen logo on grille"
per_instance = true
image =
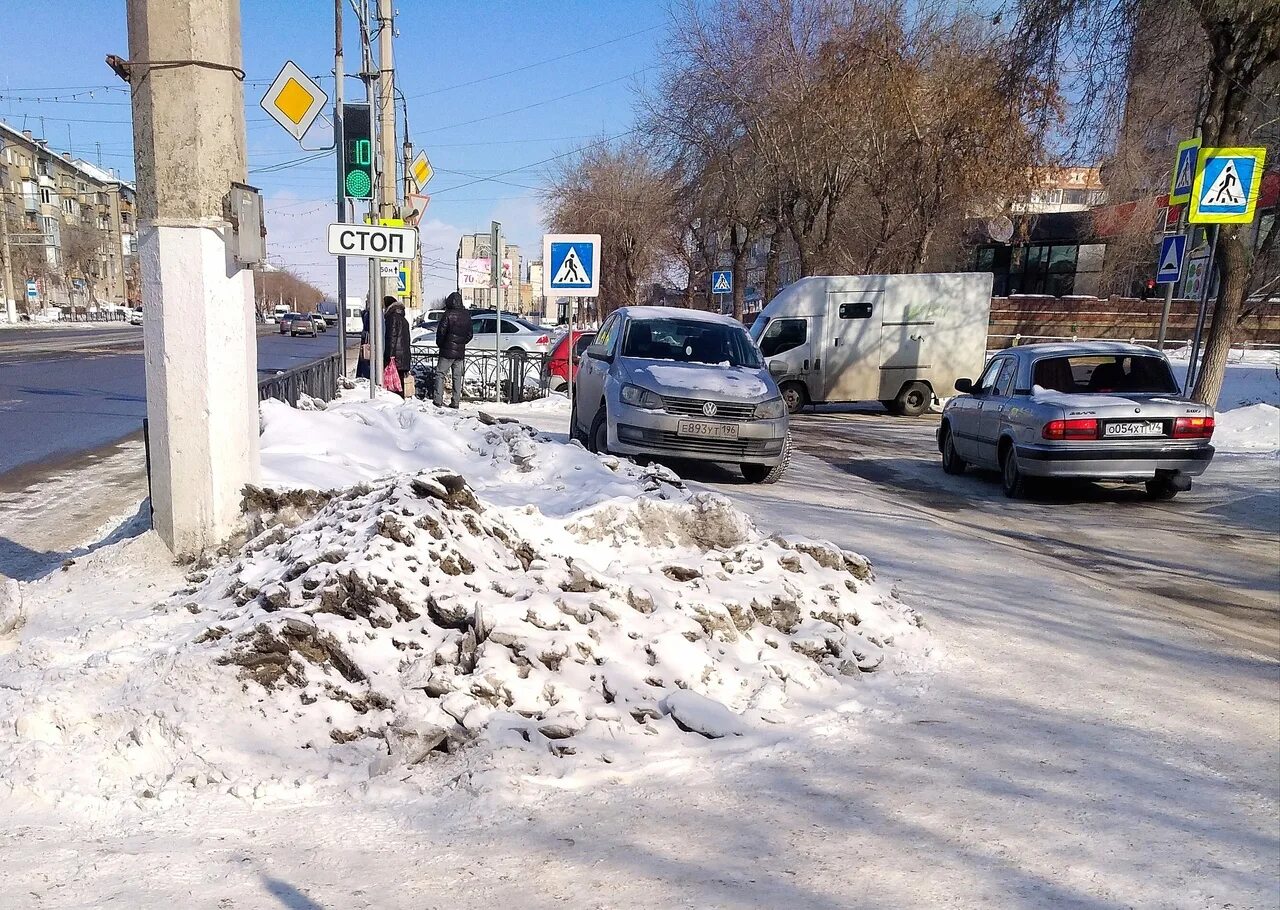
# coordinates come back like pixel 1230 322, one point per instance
pixel 709 409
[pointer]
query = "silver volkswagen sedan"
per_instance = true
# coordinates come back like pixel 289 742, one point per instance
pixel 681 384
pixel 1097 410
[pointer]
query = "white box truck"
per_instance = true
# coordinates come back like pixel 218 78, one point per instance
pixel 902 340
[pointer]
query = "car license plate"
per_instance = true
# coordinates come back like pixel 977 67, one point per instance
pixel 705 430
pixel 1133 428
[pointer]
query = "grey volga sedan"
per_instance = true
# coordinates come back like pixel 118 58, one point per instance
pixel 1090 410
pixel 681 384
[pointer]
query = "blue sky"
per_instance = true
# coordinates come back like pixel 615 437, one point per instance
pixel 446 52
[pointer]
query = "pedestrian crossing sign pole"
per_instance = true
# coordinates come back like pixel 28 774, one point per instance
pixel 1227 184
pixel 722 282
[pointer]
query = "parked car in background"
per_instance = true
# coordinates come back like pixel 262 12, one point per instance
pixel 681 384
pixel 321 324
pixel 1090 410
pixel 135 316
pixel 556 369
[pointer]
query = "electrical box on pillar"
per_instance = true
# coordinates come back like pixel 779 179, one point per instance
pixel 248 240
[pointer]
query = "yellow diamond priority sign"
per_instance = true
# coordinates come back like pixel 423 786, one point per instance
pixel 294 100
pixel 421 170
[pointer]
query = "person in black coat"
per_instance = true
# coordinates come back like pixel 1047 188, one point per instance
pixel 396 338
pixel 453 332
pixel 362 365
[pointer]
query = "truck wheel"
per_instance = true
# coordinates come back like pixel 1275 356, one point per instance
pixel 794 397
pixel 599 439
pixel 762 473
pixel 913 400
pixel 952 463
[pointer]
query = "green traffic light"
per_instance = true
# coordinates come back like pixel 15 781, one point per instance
pixel 358 185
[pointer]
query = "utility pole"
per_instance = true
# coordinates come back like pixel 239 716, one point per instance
pixel 387 207
pixel 342 190
pixel 373 306
pixel 199 338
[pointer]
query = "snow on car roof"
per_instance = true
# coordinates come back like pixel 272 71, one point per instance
pixel 671 312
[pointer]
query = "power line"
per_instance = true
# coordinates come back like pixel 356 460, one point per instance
pixel 529 66
pixel 516 110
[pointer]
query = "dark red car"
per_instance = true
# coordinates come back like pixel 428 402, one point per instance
pixel 556 367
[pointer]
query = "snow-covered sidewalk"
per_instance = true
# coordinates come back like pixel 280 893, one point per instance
pixel 1041 742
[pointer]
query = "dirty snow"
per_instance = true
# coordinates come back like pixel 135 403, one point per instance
pixel 552 614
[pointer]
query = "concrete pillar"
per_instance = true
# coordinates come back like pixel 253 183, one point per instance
pixel 198 327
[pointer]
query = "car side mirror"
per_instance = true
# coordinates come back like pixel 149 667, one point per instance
pixel 777 368
pixel 598 352
pixel 964 385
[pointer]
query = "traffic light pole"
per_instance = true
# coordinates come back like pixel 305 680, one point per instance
pixel 386 144
pixel 374 305
pixel 342 190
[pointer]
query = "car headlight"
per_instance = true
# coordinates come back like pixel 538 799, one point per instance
pixel 771 409
pixel 641 398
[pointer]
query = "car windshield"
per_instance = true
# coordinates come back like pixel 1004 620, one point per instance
pixel 690 341
pixel 1100 374
pixel 757 327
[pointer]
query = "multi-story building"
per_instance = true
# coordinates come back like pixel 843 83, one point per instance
pixel 67 226
pixel 473 281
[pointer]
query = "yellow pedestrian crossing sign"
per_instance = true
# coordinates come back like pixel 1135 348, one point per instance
pixel 1226 185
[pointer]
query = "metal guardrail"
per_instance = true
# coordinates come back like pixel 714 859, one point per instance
pixel 510 376
pixel 1171 343
pixel 318 379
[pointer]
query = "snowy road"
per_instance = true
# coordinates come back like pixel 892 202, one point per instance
pixel 67 391
pixel 1208 556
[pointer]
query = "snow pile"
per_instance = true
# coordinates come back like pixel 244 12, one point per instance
pixel 1248 411
pixel 1250 430
pixel 554 605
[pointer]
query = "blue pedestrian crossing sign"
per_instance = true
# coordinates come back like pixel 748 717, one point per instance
pixel 1169 265
pixel 571 265
pixel 403 280
pixel 1184 172
pixel 1226 185
pixel 722 282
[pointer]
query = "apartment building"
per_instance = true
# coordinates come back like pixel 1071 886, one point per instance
pixel 68 229
pixel 473 273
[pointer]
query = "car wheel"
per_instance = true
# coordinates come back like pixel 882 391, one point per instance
pixel 1014 481
pixel 794 397
pixel 574 432
pixel 913 400
pixel 599 439
pixel 762 473
pixel 1161 489
pixel 952 463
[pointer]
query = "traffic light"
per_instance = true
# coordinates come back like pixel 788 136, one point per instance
pixel 357 151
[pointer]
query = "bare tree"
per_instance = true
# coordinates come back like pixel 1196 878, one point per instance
pixel 82 255
pixel 1103 39
pixel 615 189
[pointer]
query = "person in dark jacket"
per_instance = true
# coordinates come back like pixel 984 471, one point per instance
pixel 362 365
pixel 453 332
pixel 395 337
